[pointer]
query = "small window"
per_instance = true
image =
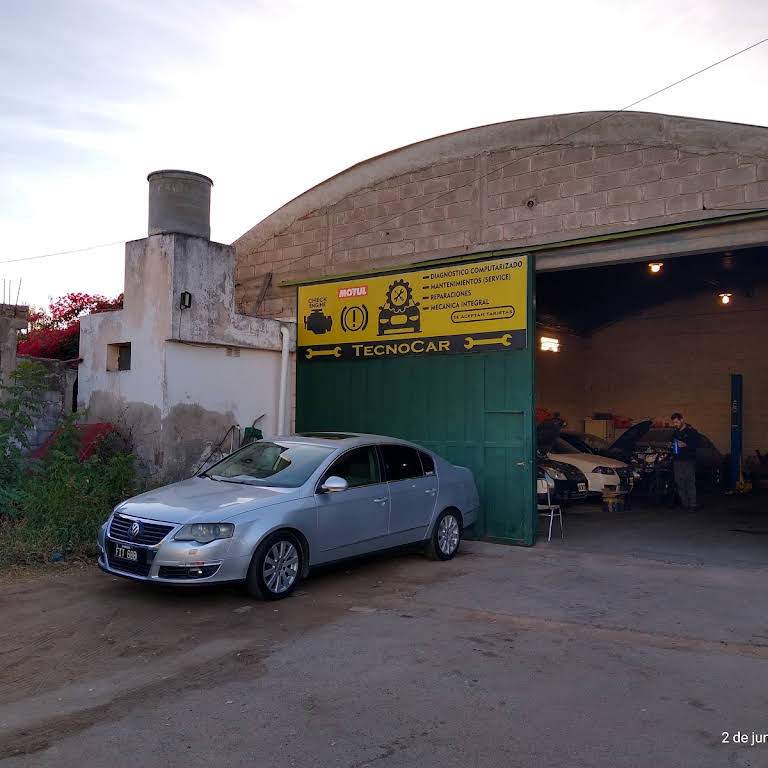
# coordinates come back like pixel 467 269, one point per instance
pixel 427 463
pixel 401 462
pixel 119 357
pixel 359 467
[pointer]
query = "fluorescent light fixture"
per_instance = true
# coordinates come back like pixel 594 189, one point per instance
pixel 655 266
pixel 548 344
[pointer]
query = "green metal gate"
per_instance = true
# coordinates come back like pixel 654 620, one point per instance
pixel 476 410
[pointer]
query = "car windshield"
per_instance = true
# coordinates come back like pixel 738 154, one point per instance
pixel 597 444
pixel 577 441
pixel 279 465
pixel 560 446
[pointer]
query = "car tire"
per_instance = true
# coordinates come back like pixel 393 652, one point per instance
pixel 445 539
pixel 275 568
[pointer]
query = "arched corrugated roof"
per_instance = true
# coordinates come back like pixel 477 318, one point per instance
pixel 573 129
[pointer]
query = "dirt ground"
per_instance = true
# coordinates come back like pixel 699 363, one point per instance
pixel 80 647
pixel 571 653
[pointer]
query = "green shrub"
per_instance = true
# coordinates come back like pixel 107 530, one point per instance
pixel 20 402
pixel 55 505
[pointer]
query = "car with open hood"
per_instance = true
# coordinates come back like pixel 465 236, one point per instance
pixel 566 483
pixel 602 473
pixel 267 513
pixel 622 448
pixel 653 457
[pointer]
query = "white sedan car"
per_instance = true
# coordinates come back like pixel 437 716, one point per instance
pixel 602 473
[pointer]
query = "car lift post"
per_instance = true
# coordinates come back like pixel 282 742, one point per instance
pixel 737 482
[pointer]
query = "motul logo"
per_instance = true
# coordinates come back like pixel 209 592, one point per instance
pixel 348 293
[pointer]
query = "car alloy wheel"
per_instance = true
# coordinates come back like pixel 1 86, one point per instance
pixel 281 567
pixel 445 537
pixel 448 534
pixel 276 566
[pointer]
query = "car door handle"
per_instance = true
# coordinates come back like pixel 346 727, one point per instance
pixel 431 491
pixel 380 501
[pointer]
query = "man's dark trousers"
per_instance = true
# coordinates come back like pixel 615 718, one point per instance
pixel 685 480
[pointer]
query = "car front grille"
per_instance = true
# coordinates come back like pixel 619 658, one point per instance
pixel 186 572
pixel 149 533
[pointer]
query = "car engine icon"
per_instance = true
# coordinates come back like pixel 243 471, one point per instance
pixel 317 322
pixel 400 313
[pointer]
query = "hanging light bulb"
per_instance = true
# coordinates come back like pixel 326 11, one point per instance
pixel 655 266
pixel 725 298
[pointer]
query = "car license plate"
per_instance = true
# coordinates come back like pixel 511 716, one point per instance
pixel 126 553
pixel 582 486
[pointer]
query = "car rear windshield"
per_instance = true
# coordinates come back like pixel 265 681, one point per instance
pixel 279 465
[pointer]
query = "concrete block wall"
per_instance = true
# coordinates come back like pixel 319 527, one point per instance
pixel 467 193
pixel 13 319
pixel 59 380
pixel 679 357
pixel 57 398
pixel 561 381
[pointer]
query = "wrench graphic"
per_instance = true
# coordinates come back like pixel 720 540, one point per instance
pixel 335 351
pixel 506 340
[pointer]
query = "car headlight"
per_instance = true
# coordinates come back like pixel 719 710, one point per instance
pixel 203 533
pixel 604 471
pixel 555 473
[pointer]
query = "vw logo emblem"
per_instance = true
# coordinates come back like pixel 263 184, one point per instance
pixel 135 529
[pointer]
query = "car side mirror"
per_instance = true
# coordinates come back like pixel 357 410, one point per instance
pixel 335 484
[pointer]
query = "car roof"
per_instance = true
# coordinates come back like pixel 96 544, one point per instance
pixel 343 439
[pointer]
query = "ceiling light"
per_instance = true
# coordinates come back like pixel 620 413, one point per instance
pixel 548 344
pixel 725 298
pixel 655 266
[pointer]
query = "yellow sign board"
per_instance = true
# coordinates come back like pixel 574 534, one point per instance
pixel 470 307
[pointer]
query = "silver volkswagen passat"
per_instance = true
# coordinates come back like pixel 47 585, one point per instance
pixel 268 512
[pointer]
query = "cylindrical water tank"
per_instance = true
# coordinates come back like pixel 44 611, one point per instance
pixel 179 201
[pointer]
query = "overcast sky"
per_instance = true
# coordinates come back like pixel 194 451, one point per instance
pixel 269 97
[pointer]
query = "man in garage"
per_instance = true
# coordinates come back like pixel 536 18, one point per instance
pixel 684 460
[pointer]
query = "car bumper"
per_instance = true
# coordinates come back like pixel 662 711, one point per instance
pixel 599 483
pixel 568 491
pixel 173 562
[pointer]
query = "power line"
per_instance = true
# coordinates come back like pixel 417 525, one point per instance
pixel 62 253
pixel 444 194
pixel 535 152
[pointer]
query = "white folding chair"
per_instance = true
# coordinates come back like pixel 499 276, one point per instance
pixel 542 488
